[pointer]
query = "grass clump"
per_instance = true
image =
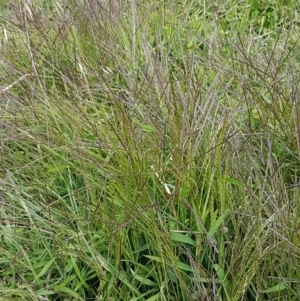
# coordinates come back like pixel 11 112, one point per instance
pixel 149 150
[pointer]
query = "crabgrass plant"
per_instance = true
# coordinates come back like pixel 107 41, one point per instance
pixel 149 150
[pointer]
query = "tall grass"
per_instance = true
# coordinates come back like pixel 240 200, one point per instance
pixel 149 150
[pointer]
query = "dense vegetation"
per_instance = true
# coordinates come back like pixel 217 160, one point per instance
pixel 149 150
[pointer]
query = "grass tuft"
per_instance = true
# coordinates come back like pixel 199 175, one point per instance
pixel 149 150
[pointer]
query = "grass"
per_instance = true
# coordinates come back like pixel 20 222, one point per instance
pixel 149 150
